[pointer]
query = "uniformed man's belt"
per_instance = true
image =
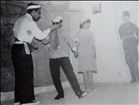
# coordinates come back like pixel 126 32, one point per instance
pixel 127 37
pixel 25 45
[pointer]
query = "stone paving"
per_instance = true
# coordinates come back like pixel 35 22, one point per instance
pixel 108 94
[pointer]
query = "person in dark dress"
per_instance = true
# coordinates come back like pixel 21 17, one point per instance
pixel 129 35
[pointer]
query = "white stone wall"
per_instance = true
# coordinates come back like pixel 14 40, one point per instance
pixel 110 56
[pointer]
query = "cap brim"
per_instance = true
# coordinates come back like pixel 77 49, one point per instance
pixel 83 21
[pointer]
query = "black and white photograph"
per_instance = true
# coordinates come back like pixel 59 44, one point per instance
pixel 69 52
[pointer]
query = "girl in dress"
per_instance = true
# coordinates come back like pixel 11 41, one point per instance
pixel 85 42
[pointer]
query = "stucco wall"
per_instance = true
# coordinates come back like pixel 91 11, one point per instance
pixel 110 56
pixel 10 12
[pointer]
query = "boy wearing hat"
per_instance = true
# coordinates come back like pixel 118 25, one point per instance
pixel 59 56
pixel 25 29
pixel 129 36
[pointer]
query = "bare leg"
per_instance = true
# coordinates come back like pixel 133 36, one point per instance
pixel 91 81
pixel 86 81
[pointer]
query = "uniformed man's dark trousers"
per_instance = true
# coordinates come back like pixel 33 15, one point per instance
pixel 65 63
pixel 134 71
pixel 131 57
pixel 24 77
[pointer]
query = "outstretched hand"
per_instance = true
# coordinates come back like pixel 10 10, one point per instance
pixel 53 27
pixel 45 41
pixel 34 45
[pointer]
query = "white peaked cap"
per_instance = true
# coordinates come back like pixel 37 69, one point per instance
pixel 84 20
pixel 33 7
pixel 57 19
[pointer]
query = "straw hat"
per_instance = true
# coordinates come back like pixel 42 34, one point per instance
pixel 57 19
pixel 84 20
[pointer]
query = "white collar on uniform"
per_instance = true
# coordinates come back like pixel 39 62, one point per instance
pixel 28 15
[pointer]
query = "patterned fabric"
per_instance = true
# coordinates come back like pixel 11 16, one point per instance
pixel 65 44
pixel 56 41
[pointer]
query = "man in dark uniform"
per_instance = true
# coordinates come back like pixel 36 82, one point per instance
pixel 129 36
